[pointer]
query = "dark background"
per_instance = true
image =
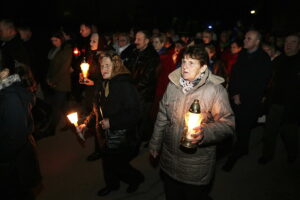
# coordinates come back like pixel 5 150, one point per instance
pixel 277 16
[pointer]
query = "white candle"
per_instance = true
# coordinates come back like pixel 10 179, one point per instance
pixel 85 68
pixel 192 120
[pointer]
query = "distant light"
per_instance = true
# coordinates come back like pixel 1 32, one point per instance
pixel 210 27
pixel 252 12
pixel 76 51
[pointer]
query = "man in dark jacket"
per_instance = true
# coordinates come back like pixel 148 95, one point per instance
pixel 125 48
pixel 249 79
pixel 284 98
pixel 143 63
pixel 12 47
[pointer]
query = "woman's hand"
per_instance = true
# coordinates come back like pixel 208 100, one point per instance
pixel 154 158
pixel 198 136
pixel 82 128
pixel 51 84
pixel 105 123
pixel 154 153
pixel 236 99
pixel 85 81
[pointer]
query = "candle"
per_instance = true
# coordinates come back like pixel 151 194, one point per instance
pixel 73 117
pixel 85 69
pixel 192 119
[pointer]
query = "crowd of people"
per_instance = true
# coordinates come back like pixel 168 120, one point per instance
pixel 139 87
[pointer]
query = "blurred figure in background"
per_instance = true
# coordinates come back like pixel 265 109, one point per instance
pixel 58 77
pixel 250 77
pixel 93 79
pixel 283 98
pixel 143 64
pixel 20 176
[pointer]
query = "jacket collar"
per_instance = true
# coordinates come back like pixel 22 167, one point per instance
pixel 208 76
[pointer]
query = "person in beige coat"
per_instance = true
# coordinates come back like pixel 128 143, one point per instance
pixel 187 175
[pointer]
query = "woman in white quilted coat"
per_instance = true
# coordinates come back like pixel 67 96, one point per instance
pixel 187 175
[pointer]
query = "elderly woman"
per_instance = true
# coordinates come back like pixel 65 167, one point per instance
pixel 187 174
pixel 116 113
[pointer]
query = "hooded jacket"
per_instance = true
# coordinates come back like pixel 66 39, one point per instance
pixel 197 168
pixel 15 119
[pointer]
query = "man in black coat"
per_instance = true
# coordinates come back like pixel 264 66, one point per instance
pixel 12 46
pixel 125 48
pixel 142 64
pixel 249 79
pixel 284 98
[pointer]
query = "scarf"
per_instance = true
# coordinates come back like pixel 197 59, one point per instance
pixel 106 87
pixel 188 85
pixel 53 52
pixel 8 81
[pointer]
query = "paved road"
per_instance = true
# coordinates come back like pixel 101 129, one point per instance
pixel 68 176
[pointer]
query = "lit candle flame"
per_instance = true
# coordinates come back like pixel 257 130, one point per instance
pixel 84 68
pixel 73 117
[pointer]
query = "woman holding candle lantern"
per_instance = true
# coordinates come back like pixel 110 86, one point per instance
pixel 116 113
pixel 187 173
pixel 90 78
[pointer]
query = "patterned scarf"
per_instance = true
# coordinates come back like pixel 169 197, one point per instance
pixel 188 85
pixel 8 81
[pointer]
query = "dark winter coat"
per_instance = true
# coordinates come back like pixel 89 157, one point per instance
pixel 12 51
pixel 125 55
pixel 142 65
pixel 121 107
pixel 59 73
pixel 17 154
pixel 285 85
pixel 250 76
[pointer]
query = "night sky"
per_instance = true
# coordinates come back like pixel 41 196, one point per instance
pixel 274 15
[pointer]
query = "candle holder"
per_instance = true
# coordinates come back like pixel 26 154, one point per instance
pixel 84 66
pixel 73 117
pixel 193 119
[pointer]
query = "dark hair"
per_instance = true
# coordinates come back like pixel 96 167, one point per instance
pixel 25 73
pixel 238 42
pixel 197 52
pixel 211 47
pixel 146 33
pixel 24 28
pixel 58 34
pixel 180 42
pixel 8 23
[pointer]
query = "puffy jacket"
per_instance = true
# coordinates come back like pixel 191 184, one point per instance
pixel 197 168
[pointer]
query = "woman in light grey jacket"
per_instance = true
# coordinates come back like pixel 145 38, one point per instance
pixel 187 175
